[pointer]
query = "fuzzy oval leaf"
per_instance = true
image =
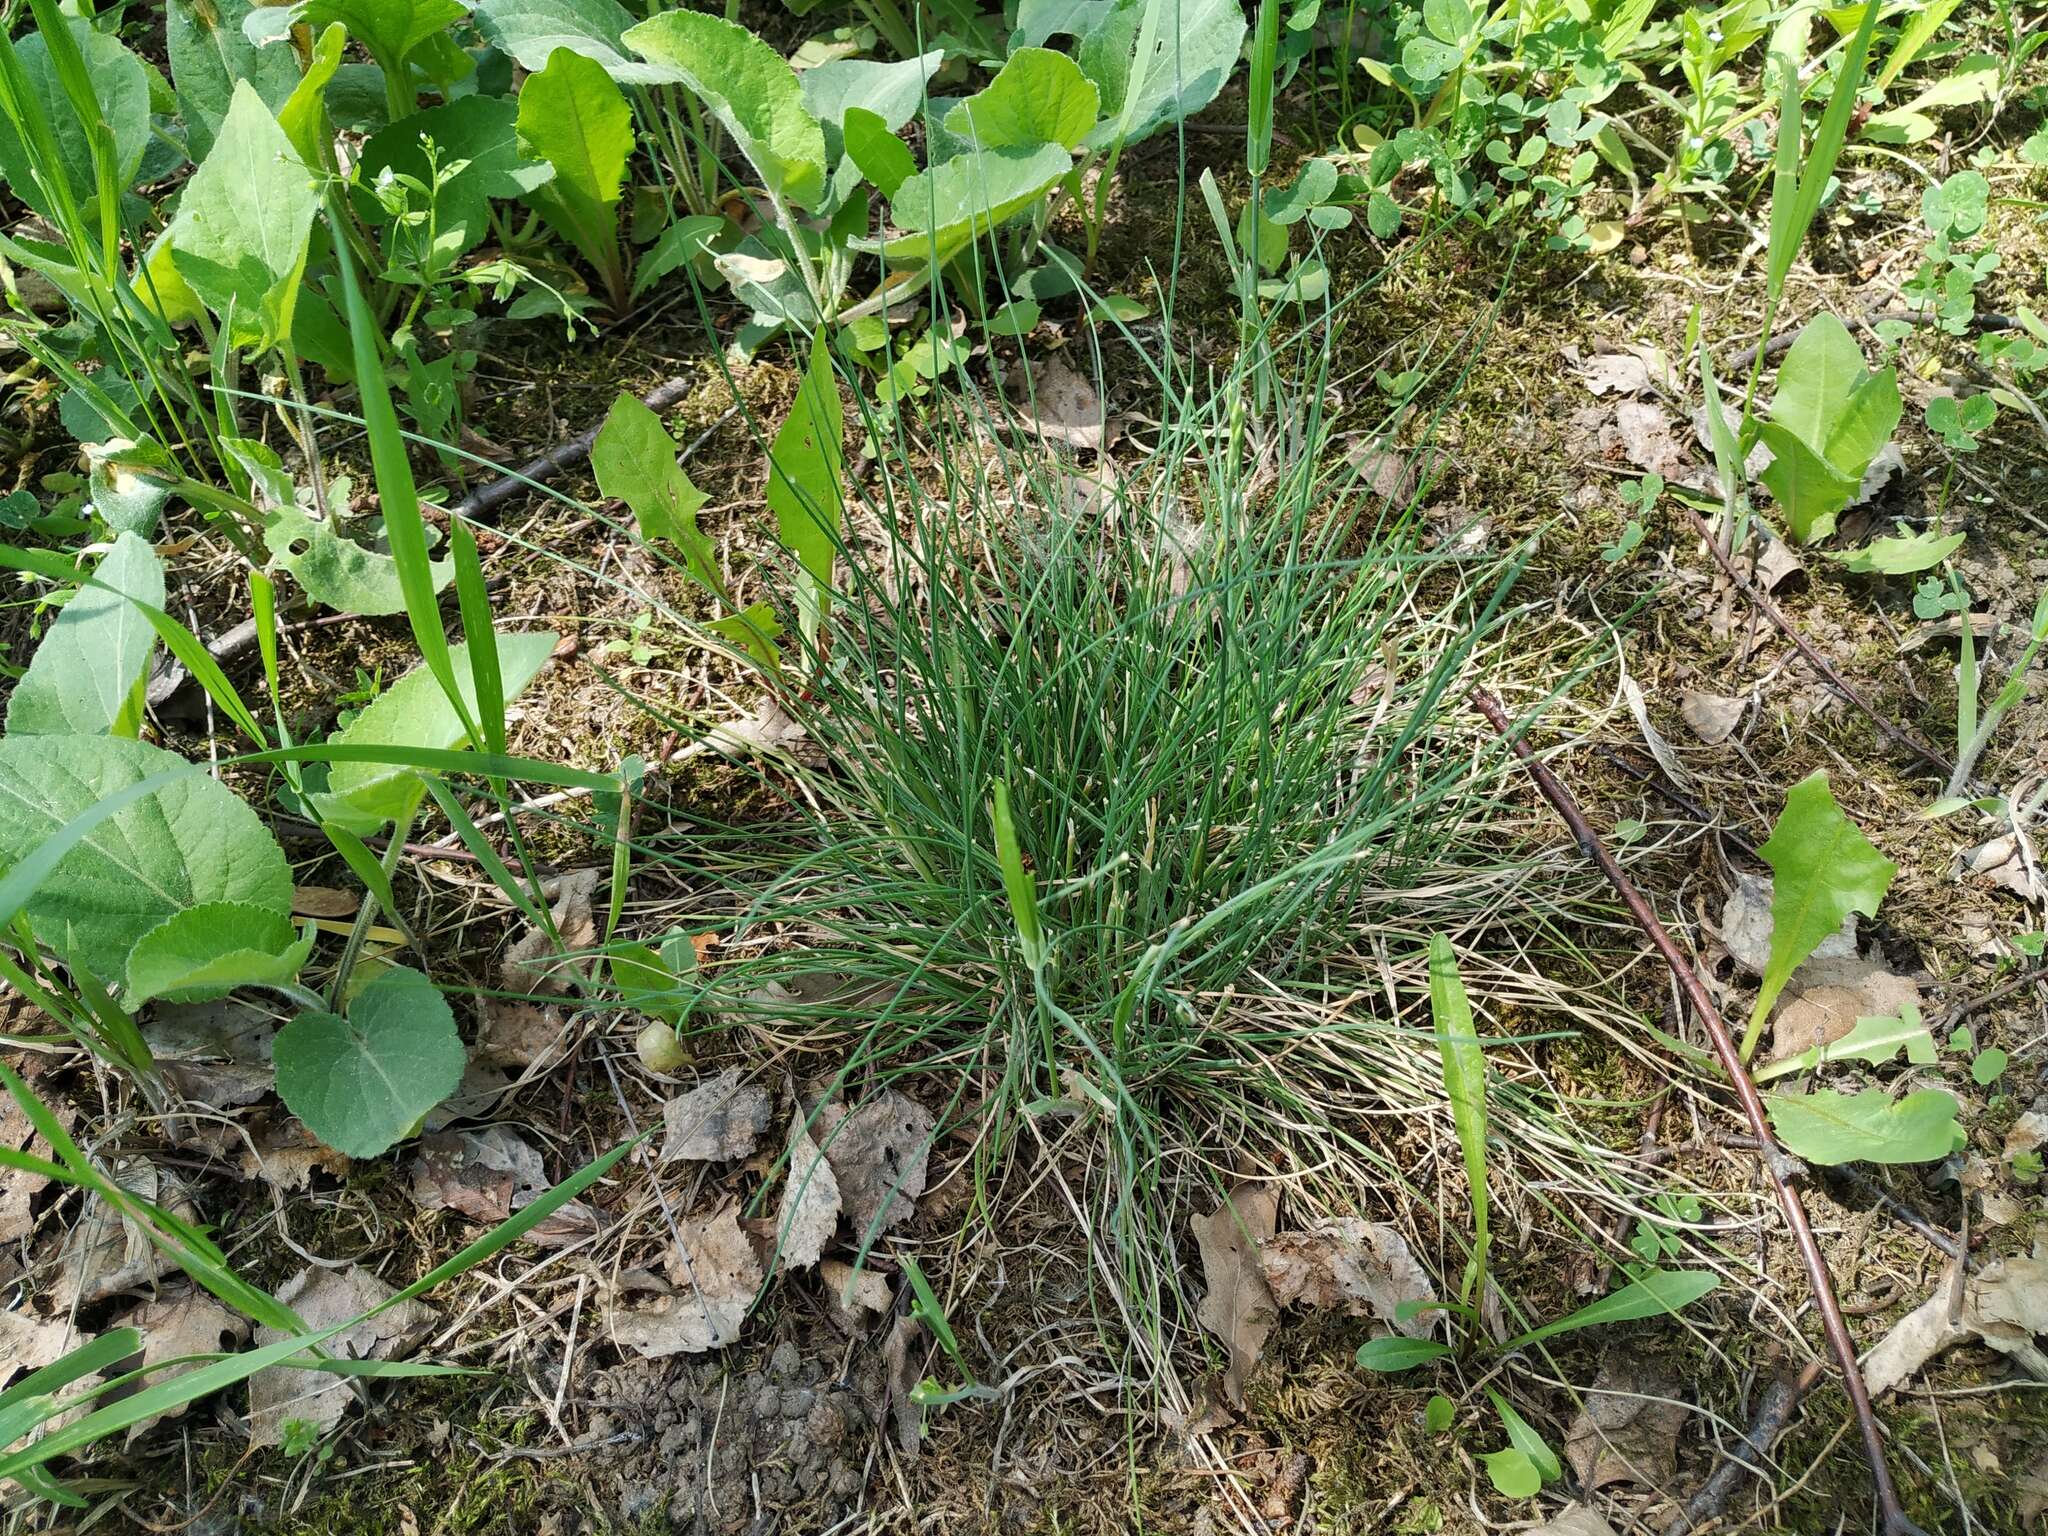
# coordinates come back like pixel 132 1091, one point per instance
pixel 1810 491
pixel 1823 869
pixel 951 204
pixel 1396 1352
pixel 805 482
pixel 209 950
pixel 1830 1128
pixel 190 842
pixel 363 1082
pixel 1038 97
pixel 531 30
pixel 414 712
pixel 240 236
pixel 81 678
pixel 750 89
pixel 1523 1436
pixel 891 91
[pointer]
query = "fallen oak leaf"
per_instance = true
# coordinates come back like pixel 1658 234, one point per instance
pixel 1361 1268
pixel 1239 1307
pixel 879 1152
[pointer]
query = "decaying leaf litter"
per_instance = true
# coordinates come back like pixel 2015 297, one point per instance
pixel 1741 775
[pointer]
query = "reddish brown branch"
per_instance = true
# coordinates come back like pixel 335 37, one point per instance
pixel 1775 1162
pixel 1910 740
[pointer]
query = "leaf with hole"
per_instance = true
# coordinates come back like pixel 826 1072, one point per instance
pixel 209 950
pixel 81 680
pixel 361 1083
pixel 334 570
pixel 188 842
pixel 1869 1127
pixel 416 712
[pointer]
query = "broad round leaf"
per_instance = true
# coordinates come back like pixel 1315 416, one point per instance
pixel 1038 97
pixel 190 842
pixel 531 30
pixel 209 950
pixel 750 89
pixel 946 207
pixel 362 1082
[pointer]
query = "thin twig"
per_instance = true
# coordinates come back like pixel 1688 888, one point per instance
pixel 1773 1413
pixel 1776 1164
pixel 1782 342
pixel 1910 740
pixel 484 504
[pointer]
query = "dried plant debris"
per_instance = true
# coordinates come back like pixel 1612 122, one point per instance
pixel 485 1175
pixel 182 1321
pixel 533 962
pixel 1832 988
pixel 1628 1430
pixel 712 1284
pixel 519 1034
pixel 809 1213
pixel 721 1118
pixel 854 1297
pixel 28 1342
pixel 106 1254
pixel 1061 405
pixel 2004 862
pixel 2005 1305
pixel 1238 1307
pixel 20 1189
pixel 280 1395
pixel 285 1156
pixel 903 1353
pixel 1632 369
pixel 215 1055
pixel 1712 717
pixel 1574 1520
pixel 878 1152
pixel 1345 1264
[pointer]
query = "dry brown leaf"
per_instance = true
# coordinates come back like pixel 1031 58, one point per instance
pixel 1345 1264
pixel 181 1322
pixel 324 901
pixel 851 1294
pixel 286 1157
pixel 1660 749
pixel 1239 1307
pixel 518 1034
pixel 1384 468
pixel 323 1298
pixel 485 1175
pixel 1627 1432
pixel 1574 1520
pixel 2003 863
pixel 1635 369
pixel 1710 716
pixel 532 963
pixel 715 1275
pixel 19 1188
pixel 106 1253
pixel 878 1152
pixel 1061 406
pixel 212 1054
pixel 719 1119
pixel 476 1097
pixel 809 1213
pixel 2005 1304
pixel 2029 1133
pixel 28 1343
pixel 1825 998
pixel 1646 434
pixel 768 730
pixel 901 1359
